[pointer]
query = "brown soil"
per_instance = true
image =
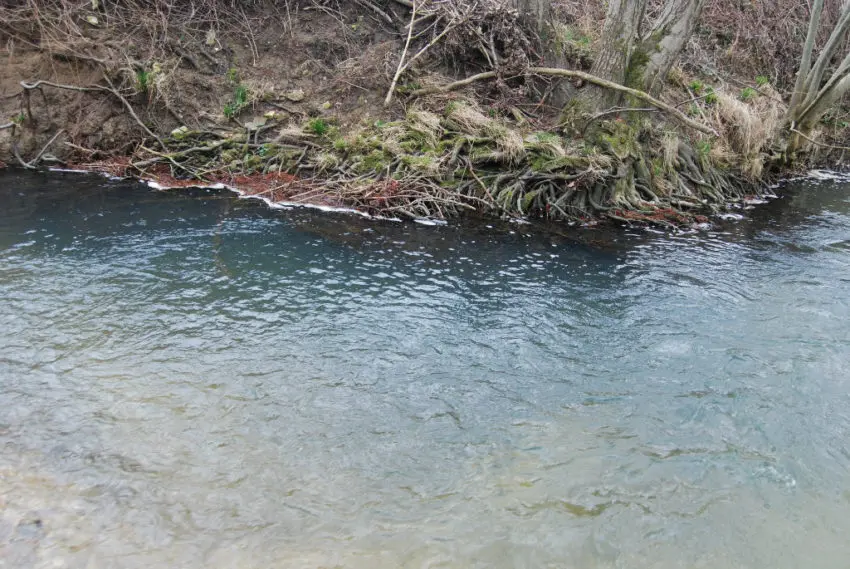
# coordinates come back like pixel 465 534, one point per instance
pixel 323 63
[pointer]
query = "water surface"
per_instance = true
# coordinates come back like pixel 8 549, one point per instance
pixel 192 380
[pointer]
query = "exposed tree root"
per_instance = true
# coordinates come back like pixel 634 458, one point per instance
pixel 438 165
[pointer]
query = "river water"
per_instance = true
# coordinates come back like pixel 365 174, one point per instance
pixel 190 380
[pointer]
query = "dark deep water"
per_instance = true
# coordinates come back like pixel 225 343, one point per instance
pixel 190 380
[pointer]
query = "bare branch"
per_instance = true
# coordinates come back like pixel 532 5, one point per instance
pixel 645 97
pixel 400 68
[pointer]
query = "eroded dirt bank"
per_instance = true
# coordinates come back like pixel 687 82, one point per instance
pixel 288 100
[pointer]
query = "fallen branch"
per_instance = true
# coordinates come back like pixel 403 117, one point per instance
pixel 20 160
pixel 130 110
pixel 645 97
pixel 33 164
pixel 822 144
pixel 401 67
pixel 376 9
pixel 30 86
pixel 38 156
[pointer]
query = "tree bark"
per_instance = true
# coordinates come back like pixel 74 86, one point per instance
pixel 665 42
pixel 621 29
pixel 812 96
pixel 536 13
pixel 806 61
pixel 836 39
pixel 539 16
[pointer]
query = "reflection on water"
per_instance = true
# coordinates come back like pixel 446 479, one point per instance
pixel 190 380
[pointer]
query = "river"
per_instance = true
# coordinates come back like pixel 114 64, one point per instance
pixel 192 380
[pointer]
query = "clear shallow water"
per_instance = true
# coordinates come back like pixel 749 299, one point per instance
pixel 191 380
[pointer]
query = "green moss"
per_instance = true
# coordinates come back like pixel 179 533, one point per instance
pixel 426 163
pixel 374 161
pixel 637 68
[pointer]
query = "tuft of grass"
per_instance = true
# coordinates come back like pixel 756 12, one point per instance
pixel 762 80
pixel 318 126
pixel 696 86
pixel 143 80
pixel 747 93
pixel 239 102
pixel 240 95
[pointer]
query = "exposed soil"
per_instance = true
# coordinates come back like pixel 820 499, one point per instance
pixel 325 63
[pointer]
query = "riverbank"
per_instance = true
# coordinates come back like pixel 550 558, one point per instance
pixel 292 106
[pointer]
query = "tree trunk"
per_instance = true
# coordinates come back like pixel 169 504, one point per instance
pixel 806 61
pixel 539 17
pixel 665 42
pixel 536 13
pixel 813 97
pixel 613 61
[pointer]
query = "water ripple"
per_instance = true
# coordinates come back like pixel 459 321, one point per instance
pixel 191 380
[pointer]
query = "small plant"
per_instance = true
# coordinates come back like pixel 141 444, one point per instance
pixel 230 110
pixel 704 148
pixel 833 121
pixel 240 101
pixel 143 80
pixel 240 95
pixel 696 86
pixel 762 80
pixel 318 127
pixel 710 96
pixel 233 75
pixel 409 87
pixel 748 93
pixel 19 118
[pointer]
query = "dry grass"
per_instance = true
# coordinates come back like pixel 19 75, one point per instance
pixel 426 124
pixel 748 128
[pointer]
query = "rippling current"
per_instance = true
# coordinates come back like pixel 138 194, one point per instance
pixel 190 380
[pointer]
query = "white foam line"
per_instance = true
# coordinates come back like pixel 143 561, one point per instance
pixel 429 221
pixel 71 171
pixel 272 204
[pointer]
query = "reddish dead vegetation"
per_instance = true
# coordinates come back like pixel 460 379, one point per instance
pixel 116 166
pixel 378 198
pixel 275 186
pixel 280 187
